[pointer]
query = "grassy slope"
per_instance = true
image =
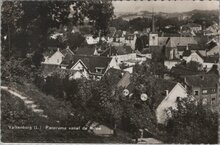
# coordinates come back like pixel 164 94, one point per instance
pixel 55 109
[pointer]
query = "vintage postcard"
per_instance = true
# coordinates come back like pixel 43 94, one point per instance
pixel 103 71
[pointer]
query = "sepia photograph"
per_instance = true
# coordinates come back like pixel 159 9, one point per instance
pixel 110 72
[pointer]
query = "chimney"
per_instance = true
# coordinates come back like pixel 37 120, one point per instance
pixel 167 92
pixel 187 47
pixel 58 49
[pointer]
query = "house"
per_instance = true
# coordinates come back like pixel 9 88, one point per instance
pixel 173 43
pixel 53 57
pixel 201 48
pixel 191 27
pixel 90 39
pixel 212 49
pixel 119 36
pixel 110 35
pixel 171 63
pixel 212 30
pixel 91 67
pixel 173 92
pixel 100 129
pixel 194 56
pixel 130 40
pixel 207 62
pixel 204 87
pixel 179 71
pixel 86 49
pixel 117 78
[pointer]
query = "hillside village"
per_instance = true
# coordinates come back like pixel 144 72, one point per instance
pixel 147 72
pixel 91 61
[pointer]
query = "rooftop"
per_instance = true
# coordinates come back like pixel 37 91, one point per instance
pixel 202 80
pixel 91 62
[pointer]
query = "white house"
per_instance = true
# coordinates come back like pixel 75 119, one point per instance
pixel 193 57
pixel 81 70
pixel 53 59
pixel 124 57
pixel 90 67
pixel 171 63
pixel 207 62
pixel 170 101
pixel 91 40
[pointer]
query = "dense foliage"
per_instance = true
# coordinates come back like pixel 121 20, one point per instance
pixel 192 123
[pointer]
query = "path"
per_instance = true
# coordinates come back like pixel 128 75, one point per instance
pixel 27 101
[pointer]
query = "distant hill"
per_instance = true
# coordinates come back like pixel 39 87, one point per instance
pixel 147 14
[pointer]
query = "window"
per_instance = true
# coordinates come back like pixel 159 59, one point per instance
pixel 196 93
pixel 213 101
pixel 213 90
pixel 58 60
pixel 153 37
pixel 204 101
pixel 98 70
pixel 178 99
pixel 204 91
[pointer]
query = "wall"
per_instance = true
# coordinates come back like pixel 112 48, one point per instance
pixel 55 59
pixel 169 101
pixel 153 40
pixel 213 51
pixel 125 57
pixel 169 63
pixel 80 68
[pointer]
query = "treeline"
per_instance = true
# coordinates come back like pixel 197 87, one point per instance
pixel 204 18
pixel 31 22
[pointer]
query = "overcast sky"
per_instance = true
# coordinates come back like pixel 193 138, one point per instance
pixel 164 6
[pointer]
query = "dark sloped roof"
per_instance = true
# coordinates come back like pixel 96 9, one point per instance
pixel 121 50
pixel 196 47
pixel 50 51
pixel 181 48
pixel 118 34
pixel 129 36
pixel 109 52
pixel 202 80
pixel 186 53
pixel 66 52
pixel 113 76
pixel 91 62
pixel 211 59
pixel 182 41
pixel 181 71
pixel 164 85
pixel 191 25
pixel 86 50
pixel 211 45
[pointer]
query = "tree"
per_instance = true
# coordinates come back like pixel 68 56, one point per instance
pixel 139 44
pixel 192 123
pixel 120 24
pixel 193 65
pixel 100 13
pixel 11 15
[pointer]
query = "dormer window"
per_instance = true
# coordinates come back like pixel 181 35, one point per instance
pixel 98 69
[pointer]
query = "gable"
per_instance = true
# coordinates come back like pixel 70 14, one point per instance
pixel 79 65
pixel 177 91
pixel 56 58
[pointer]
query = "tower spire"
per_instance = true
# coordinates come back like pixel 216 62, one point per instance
pixel 153 25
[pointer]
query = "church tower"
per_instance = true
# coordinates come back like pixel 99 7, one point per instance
pixel 153 36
